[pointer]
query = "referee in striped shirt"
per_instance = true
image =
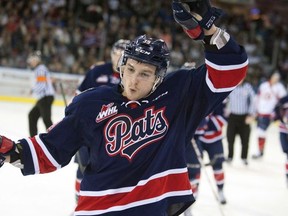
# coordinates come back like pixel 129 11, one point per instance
pixel 44 92
pixel 241 109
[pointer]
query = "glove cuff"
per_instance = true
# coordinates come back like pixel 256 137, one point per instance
pixel 6 145
pixel 15 156
pixel 216 41
pixel 196 33
pixel 220 38
pixel 2 159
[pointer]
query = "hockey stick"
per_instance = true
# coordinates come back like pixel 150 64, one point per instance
pixel 203 165
pixel 81 166
pixel 63 94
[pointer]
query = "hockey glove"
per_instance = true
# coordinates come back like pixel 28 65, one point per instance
pixel 7 147
pixel 203 8
pixel 188 22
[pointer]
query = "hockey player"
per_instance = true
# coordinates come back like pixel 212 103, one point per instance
pixel 208 138
pixel 106 73
pixel 281 111
pixel 268 95
pixel 102 74
pixel 136 132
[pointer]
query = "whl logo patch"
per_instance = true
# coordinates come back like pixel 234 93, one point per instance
pixel 106 112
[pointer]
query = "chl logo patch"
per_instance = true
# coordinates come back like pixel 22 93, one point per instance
pixel 127 136
pixel 106 112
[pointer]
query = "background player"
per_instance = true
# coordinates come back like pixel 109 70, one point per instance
pixel 269 93
pixel 281 111
pixel 44 92
pixel 106 73
pixel 103 74
pixel 208 138
pixel 136 132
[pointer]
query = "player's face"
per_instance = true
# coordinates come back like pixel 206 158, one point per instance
pixel 138 79
pixel 275 78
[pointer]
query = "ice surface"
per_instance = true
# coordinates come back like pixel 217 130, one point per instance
pixel 258 189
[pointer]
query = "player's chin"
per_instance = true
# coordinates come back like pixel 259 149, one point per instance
pixel 133 96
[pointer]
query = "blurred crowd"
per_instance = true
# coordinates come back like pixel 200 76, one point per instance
pixel 72 35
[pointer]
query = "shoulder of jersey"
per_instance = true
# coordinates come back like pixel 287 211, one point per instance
pixel 94 91
pixel 107 67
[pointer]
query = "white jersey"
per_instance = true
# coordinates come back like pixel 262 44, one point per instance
pixel 268 96
pixel 43 84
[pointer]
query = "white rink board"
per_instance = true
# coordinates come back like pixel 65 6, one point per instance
pixel 18 82
pixel 257 190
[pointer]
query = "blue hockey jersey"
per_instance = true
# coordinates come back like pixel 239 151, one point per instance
pixel 137 155
pixel 281 114
pixel 99 75
pixel 215 121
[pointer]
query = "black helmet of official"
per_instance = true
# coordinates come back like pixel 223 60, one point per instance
pixel 151 51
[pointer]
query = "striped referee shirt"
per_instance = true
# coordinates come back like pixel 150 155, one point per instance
pixel 43 83
pixel 241 100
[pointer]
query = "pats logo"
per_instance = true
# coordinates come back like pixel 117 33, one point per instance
pixel 126 136
pixel 106 112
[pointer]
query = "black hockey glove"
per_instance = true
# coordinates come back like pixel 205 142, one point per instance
pixel 203 8
pixel 7 147
pixel 188 22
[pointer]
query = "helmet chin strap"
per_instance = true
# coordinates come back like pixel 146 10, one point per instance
pixel 157 82
pixel 121 78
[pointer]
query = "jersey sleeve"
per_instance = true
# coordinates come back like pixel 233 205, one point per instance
pixel 87 82
pixel 50 151
pixel 207 86
pixel 282 91
pixel 226 67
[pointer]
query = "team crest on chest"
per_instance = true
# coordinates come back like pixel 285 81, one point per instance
pixel 106 112
pixel 126 136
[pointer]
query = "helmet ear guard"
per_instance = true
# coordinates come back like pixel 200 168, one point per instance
pixel 120 63
pixel 116 51
pixel 157 82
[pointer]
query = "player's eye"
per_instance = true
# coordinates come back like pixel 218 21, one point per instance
pixel 145 75
pixel 130 70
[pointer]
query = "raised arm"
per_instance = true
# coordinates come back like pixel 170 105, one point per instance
pixel 226 61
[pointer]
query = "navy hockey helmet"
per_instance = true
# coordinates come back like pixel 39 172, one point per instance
pixel 120 45
pixel 116 52
pixel 151 51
